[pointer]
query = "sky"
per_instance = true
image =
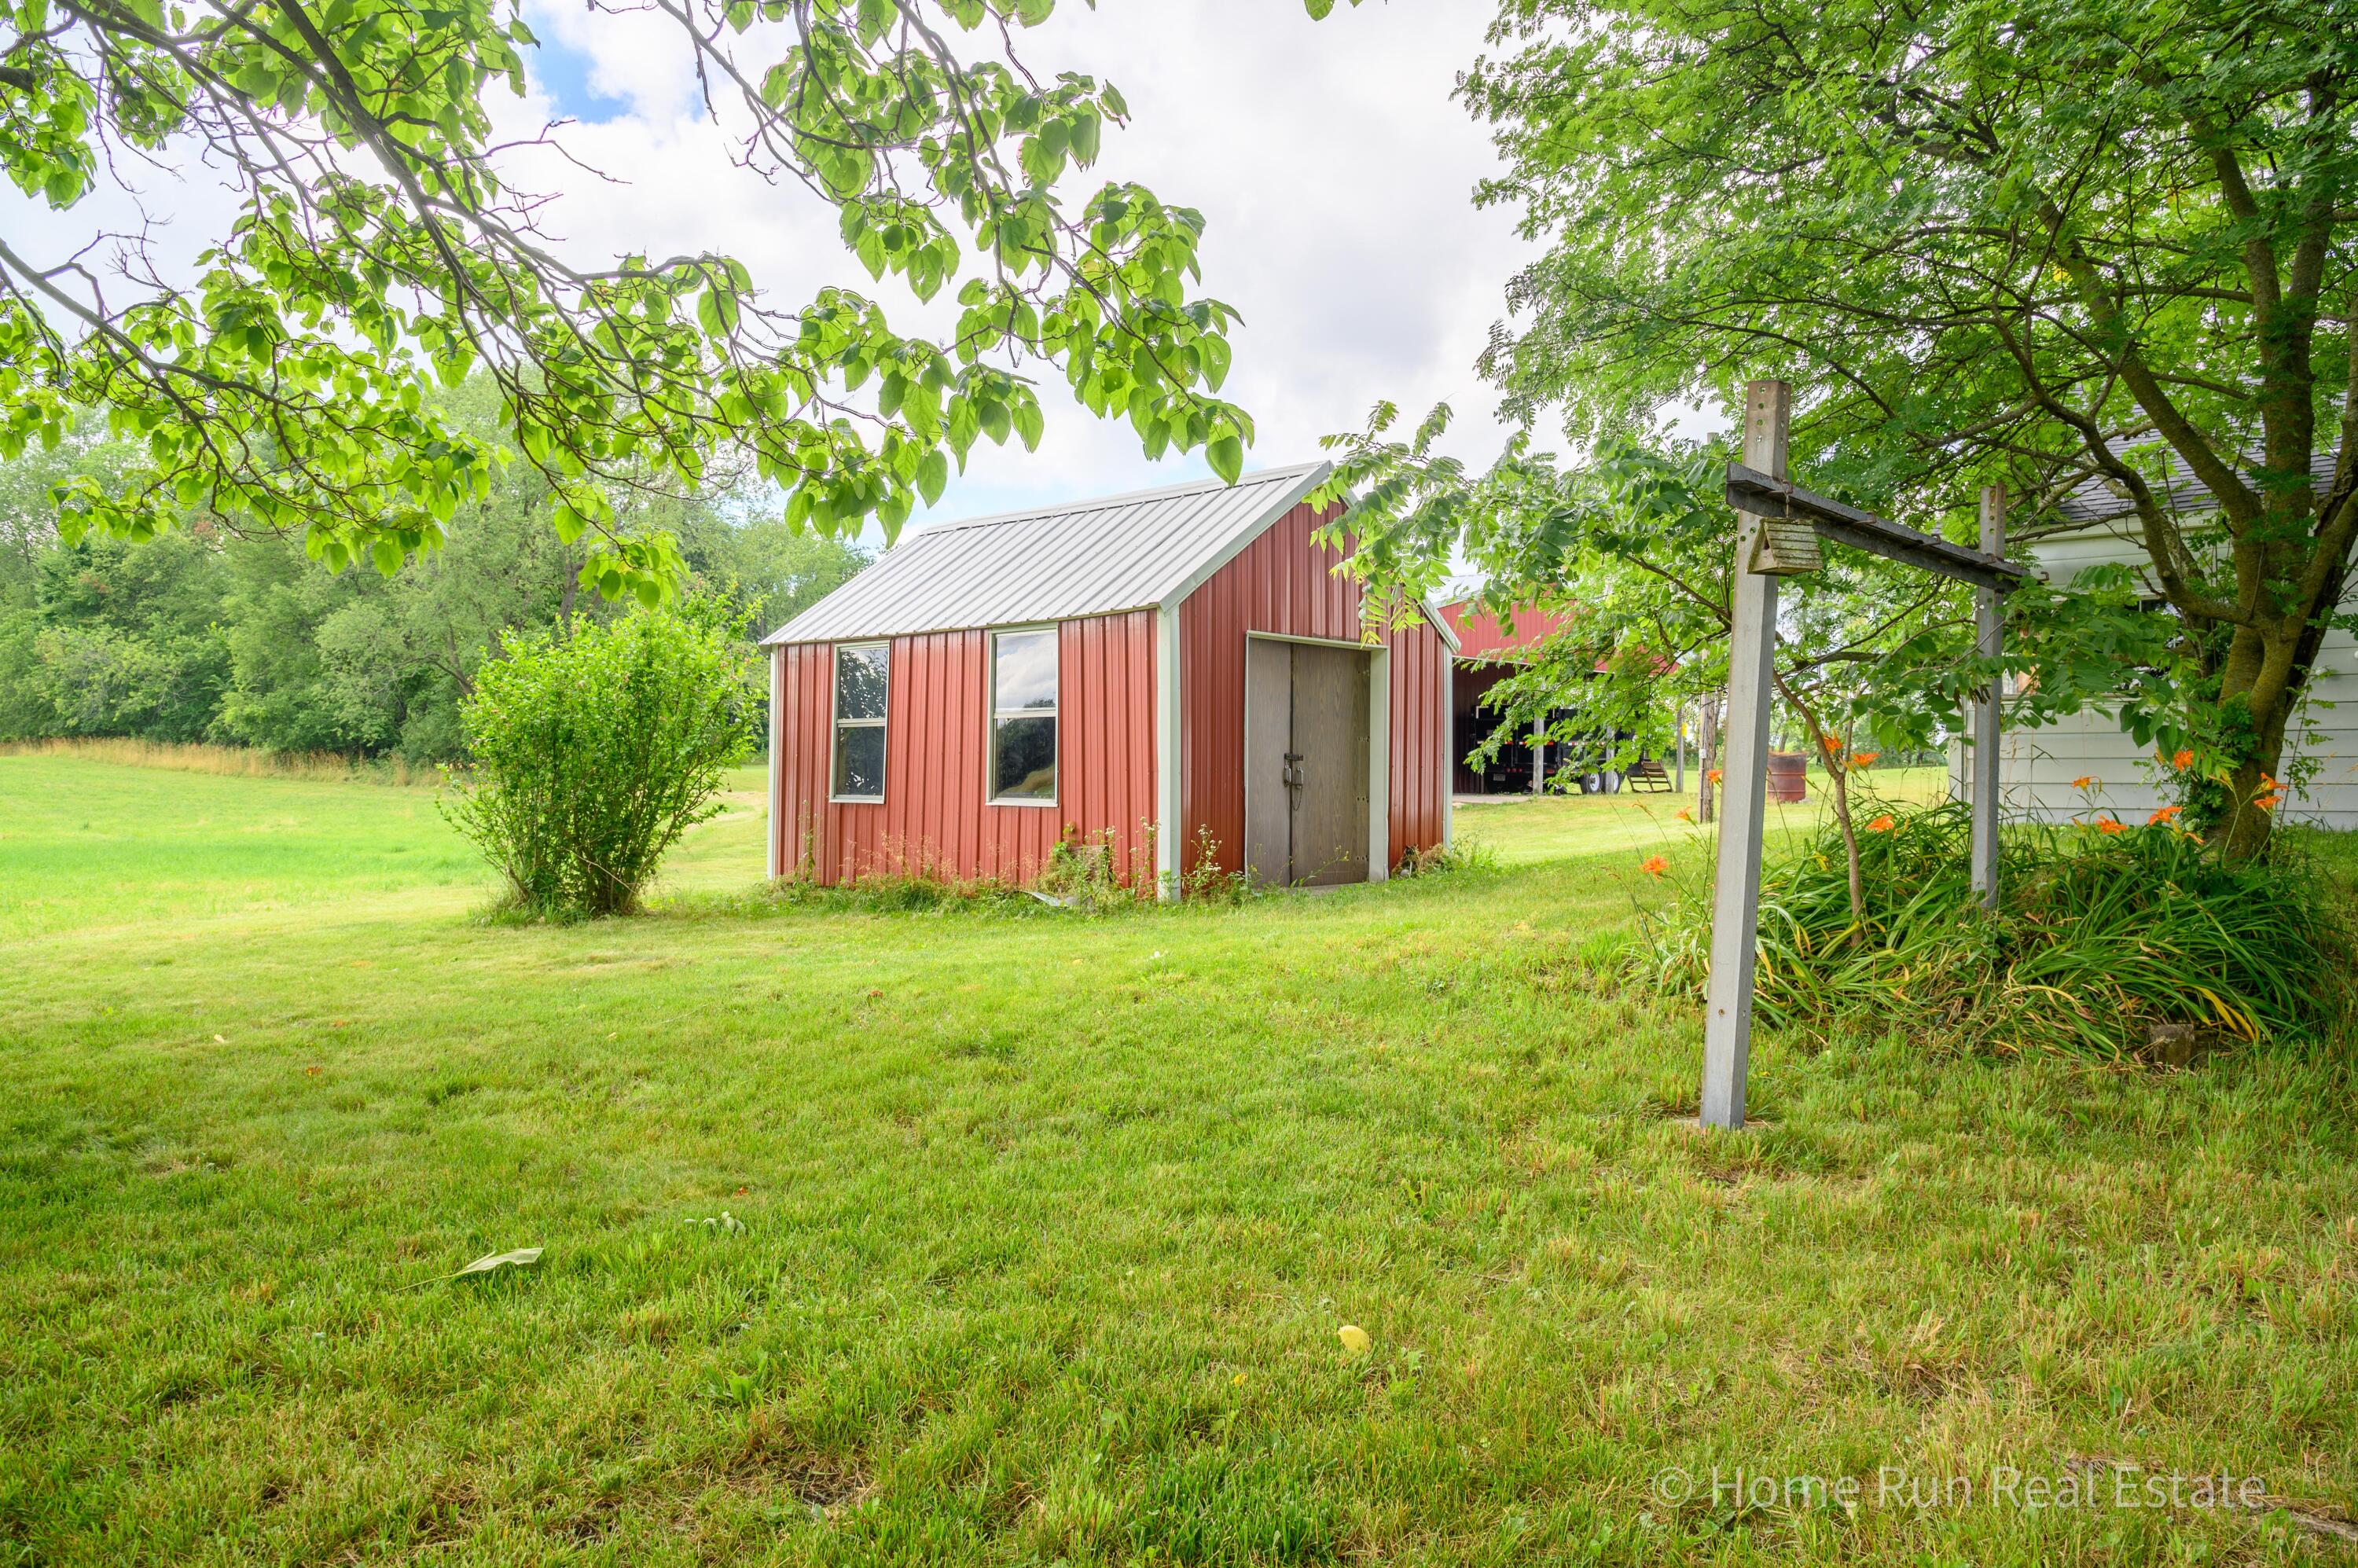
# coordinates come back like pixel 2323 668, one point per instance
pixel 1334 168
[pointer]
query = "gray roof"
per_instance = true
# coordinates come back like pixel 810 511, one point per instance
pixel 2101 500
pixel 1055 563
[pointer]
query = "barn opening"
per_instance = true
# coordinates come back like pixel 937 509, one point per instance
pixel 1490 650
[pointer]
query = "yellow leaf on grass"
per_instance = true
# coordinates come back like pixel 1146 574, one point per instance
pixel 1354 1339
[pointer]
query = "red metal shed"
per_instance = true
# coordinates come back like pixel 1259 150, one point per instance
pixel 1178 675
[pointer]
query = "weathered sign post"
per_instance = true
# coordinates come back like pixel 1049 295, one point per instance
pixel 1988 646
pixel 1779 525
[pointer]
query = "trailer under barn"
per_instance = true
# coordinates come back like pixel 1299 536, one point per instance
pixel 1177 679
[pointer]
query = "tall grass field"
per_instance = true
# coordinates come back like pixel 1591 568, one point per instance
pixel 990 1233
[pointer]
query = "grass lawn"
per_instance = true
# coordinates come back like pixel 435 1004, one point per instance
pixel 1042 1229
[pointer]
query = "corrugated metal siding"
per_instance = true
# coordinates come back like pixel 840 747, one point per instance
pixel 1481 636
pixel 799 816
pixel 1055 564
pixel 934 819
pixel 1420 761
pixel 1284 583
pixel 1104 753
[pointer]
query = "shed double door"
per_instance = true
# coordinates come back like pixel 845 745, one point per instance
pixel 1306 739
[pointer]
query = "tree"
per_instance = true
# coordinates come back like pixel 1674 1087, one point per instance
pixel 2101 239
pixel 595 747
pixel 1638 548
pixel 379 249
pixel 192 635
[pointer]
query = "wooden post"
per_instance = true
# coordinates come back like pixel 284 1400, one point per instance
pixel 1988 645
pixel 1706 759
pixel 1736 897
pixel 1678 785
pixel 1538 762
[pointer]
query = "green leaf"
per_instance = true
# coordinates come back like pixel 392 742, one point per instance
pixel 520 1258
pixel 1226 456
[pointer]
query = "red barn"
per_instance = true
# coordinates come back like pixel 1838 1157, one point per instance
pixel 1487 653
pixel 1178 675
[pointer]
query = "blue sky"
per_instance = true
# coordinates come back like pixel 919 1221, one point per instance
pixel 563 73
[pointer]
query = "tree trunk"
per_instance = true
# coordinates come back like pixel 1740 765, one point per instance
pixel 2253 790
pixel 2262 677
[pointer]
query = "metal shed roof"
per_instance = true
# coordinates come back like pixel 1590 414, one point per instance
pixel 1057 563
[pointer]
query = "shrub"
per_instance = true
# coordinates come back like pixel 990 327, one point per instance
pixel 1085 873
pixel 2102 939
pixel 1459 855
pixel 594 747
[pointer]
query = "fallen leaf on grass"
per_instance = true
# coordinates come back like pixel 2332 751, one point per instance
pixel 522 1257
pixel 1354 1339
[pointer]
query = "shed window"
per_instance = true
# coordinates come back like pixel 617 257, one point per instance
pixel 1023 718
pixel 862 671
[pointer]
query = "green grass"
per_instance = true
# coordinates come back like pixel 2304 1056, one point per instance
pixel 1049 1224
pixel 1521 831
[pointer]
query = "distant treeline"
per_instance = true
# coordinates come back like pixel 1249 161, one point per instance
pixel 205 634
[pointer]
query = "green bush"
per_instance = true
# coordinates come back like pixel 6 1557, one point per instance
pixel 2101 936
pixel 595 747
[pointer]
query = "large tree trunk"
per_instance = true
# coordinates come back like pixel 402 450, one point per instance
pixel 2253 790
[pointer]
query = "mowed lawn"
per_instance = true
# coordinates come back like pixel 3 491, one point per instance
pixel 1013 1237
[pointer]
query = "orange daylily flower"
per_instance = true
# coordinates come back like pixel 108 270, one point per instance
pixel 1830 743
pixel 1712 775
pixel 1863 759
pixel 2085 780
pixel 2269 802
pixel 1654 866
pixel 2166 813
pixel 2183 760
pixel 2106 825
pixel 1882 824
pixel 1686 813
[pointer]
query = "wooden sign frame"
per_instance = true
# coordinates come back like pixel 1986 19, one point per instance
pixel 1771 514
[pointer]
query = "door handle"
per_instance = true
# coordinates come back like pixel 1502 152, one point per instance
pixel 1293 770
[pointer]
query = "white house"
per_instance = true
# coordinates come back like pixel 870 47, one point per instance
pixel 2037 767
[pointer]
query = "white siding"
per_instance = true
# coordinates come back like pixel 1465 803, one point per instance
pixel 2037 767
